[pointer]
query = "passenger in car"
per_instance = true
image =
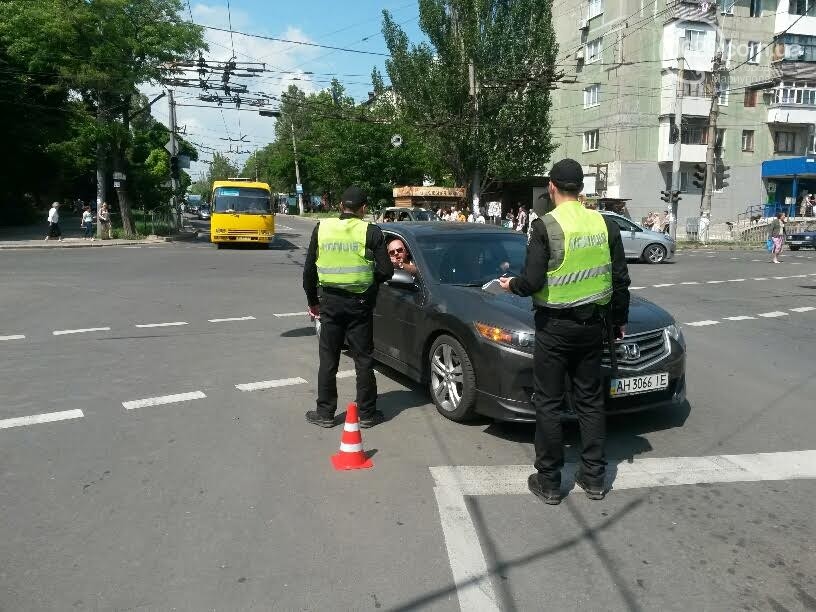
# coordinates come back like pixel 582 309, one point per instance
pixel 401 257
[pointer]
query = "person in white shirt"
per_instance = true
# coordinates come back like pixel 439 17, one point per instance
pixel 521 219
pixel 53 223
pixel 480 218
pixel 702 228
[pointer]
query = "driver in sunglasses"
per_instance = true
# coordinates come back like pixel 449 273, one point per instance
pixel 400 257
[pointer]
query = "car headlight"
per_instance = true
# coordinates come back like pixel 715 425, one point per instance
pixel 676 334
pixel 499 335
pixel 808 237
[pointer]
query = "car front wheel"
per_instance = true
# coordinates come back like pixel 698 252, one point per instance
pixel 654 253
pixel 452 379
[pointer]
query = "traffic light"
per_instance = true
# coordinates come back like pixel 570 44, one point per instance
pixel 666 196
pixel 174 167
pixel 675 196
pixel 699 176
pixel 721 174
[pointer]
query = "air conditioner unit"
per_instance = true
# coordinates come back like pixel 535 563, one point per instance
pixel 583 24
pixel 579 54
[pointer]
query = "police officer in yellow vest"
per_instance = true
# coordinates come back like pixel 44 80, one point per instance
pixel 347 259
pixel 577 275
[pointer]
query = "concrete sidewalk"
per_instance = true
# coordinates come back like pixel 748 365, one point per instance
pixel 75 243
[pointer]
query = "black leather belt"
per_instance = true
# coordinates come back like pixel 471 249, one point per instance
pixel 583 317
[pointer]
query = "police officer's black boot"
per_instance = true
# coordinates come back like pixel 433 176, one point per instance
pixel 549 492
pixel 593 491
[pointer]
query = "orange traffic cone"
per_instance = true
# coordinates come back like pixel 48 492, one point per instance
pixel 351 455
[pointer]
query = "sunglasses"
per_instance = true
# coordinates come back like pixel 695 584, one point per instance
pixel 396 251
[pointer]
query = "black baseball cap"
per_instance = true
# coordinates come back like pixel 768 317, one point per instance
pixel 354 198
pixel 567 175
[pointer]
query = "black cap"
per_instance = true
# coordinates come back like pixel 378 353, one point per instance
pixel 354 198
pixel 567 175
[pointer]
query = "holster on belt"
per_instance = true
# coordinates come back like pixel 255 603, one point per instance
pixel 609 338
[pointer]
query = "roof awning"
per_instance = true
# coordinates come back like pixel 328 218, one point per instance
pixel 789 167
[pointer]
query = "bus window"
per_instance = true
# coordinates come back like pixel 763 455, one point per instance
pixel 246 200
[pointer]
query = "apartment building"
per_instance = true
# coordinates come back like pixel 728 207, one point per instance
pixel 627 63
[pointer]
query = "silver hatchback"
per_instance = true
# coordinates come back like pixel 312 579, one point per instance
pixel 641 243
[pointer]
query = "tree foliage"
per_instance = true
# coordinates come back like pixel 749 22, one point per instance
pixel 513 49
pixel 85 61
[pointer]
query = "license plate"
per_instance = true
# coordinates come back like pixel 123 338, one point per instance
pixel 618 387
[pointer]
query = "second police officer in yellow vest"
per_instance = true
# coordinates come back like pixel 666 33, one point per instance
pixel 347 260
pixel 577 275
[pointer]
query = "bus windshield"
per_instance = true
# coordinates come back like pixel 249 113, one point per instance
pixel 247 200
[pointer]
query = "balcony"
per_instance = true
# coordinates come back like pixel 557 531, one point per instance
pixel 793 102
pixel 690 10
pixel 691 105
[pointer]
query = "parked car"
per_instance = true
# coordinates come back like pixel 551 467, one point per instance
pixel 801 240
pixel 396 213
pixel 474 349
pixel 641 243
pixel 203 213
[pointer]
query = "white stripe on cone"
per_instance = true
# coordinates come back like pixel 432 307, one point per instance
pixel 350 448
pixel 351 427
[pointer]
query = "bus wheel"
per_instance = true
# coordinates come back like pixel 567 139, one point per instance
pixel 219 245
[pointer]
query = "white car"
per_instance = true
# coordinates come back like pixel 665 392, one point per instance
pixel 641 243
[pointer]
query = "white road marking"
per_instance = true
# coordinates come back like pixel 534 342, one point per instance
pixel 270 384
pixel 774 314
pixel 689 283
pixel 302 313
pixel 635 288
pixel 714 282
pixel 14 337
pixel 710 256
pixel 756 260
pixel 795 263
pixel 49 417
pixel 734 258
pixel 164 399
pixel 131 247
pixel 173 324
pixel 799 276
pixel 249 318
pixel 63 332
pixel 664 285
pixel 803 309
pixel 453 483
pixel 735 280
pixel 346 373
pixel 739 318
pixel 780 277
pixel 760 278
pixel 703 323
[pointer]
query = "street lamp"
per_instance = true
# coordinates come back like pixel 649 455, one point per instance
pixel 299 186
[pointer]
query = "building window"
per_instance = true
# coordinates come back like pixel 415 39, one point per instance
pixel 811 144
pixel 591 95
pixel 591 140
pixel 748 141
pixel 756 8
pixel 725 89
pixel 693 84
pixel 595 8
pixel 750 100
pixel 728 7
pixel 801 7
pixel 753 52
pixel 695 40
pixel 726 52
pixel 796 47
pixel 593 50
pixel 798 93
pixel 694 134
pixel 785 142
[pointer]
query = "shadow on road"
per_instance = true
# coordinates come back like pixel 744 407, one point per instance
pixel 299 332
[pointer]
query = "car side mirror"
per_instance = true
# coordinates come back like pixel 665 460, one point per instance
pixel 403 280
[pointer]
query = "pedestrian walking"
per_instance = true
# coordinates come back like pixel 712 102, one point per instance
pixel 577 275
pixel 347 260
pixel 54 230
pixel 87 223
pixel 702 227
pixel 777 236
pixel 521 220
pixel 105 221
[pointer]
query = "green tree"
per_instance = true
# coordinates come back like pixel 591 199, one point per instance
pixel 100 51
pixel 220 169
pixel 513 50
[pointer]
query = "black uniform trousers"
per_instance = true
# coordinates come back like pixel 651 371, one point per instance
pixel 568 347
pixel 346 317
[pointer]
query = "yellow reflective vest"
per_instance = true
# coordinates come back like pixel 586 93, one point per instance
pixel 580 268
pixel 341 261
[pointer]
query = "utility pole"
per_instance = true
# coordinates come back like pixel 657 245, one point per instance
pixel 101 176
pixel 297 171
pixel 678 139
pixel 173 159
pixel 713 114
pixel 474 94
pixel 256 163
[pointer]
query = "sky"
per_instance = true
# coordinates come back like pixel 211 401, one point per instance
pixel 354 24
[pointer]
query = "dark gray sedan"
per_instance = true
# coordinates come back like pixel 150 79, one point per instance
pixel 474 349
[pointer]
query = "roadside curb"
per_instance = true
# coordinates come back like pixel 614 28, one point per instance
pixel 86 244
pixel 174 238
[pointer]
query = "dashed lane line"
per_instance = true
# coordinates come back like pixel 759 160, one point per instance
pixel 271 384
pixel 65 332
pixel 164 399
pixel 289 314
pixel 172 324
pixel 773 315
pixel 703 323
pixel 49 417
pixel 14 337
pixel 803 309
pixel 225 320
pixel 664 285
pixel 740 318
pixel 690 283
pixel 765 315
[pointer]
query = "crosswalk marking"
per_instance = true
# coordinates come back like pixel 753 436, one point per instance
pixel 270 384
pixel 64 332
pixel 49 417
pixel 163 399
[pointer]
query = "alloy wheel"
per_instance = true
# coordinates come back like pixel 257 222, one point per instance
pixel 655 253
pixel 447 381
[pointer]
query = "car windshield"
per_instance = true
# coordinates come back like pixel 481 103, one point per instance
pixel 468 258
pixel 424 215
pixel 248 200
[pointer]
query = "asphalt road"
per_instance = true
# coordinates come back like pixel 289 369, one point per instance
pixel 227 500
